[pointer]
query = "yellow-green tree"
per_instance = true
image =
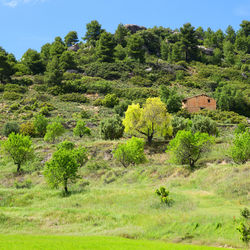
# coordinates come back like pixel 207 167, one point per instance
pixel 150 120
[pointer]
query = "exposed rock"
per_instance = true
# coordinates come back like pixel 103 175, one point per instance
pixel 74 47
pixel 244 75
pixel 207 51
pixel 108 155
pixel 148 69
pixel 133 28
pixel 72 71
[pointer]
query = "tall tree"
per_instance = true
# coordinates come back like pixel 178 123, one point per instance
pixel 228 51
pixel 71 38
pixel 5 66
pixel 45 53
pixel 230 34
pixel 120 35
pixel 135 47
pixel 189 41
pixel 33 61
pixel 93 33
pixel 105 48
pixel 245 26
pixel 57 47
pixel 54 73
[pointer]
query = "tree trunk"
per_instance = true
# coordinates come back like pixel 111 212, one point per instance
pixel 65 186
pixel 18 167
pixel 150 138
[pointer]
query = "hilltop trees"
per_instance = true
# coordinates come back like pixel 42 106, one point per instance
pixel 135 47
pixel 93 32
pixel 71 38
pixel 105 48
pixel 33 61
pixel 149 121
pixel 5 67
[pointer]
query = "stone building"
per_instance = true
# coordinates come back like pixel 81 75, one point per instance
pixel 199 102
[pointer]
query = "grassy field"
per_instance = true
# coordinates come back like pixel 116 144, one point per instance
pixel 17 242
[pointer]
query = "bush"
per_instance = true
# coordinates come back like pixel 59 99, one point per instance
pixel 40 124
pixel 81 129
pixel 122 107
pixel 180 123
pixel 12 96
pixel 15 88
pixel 10 127
pixel 240 150
pixel 241 128
pixel 110 100
pixel 54 130
pixel 25 81
pixel 101 87
pixel 28 128
pixel 164 196
pixel 1 87
pixel 74 97
pixel 131 152
pixel 44 111
pixel 188 148
pixel 112 128
pixel 14 106
pixel 204 125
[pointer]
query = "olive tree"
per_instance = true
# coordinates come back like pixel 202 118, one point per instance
pixel 19 148
pixel 188 147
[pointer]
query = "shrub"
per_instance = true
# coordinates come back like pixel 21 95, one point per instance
pixel 15 88
pixel 112 128
pixel 240 150
pixel 204 125
pixel 81 129
pixel 25 81
pixel 74 97
pixel 14 106
pixel 10 127
pixel 188 148
pixel 54 130
pixel 241 128
pixel 122 107
pixel 98 102
pixel 85 114
pixel 164 196
pixel 44 111
pixel 12 96
pixel 131 152
pixel 1 87
pixel 68 145
pixel 23 184
pixel 40 124
pixel 180 123
pixel 101 87
pixel 28 128
pixel 110 100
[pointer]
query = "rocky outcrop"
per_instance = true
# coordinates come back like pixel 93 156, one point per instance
pixel 133 28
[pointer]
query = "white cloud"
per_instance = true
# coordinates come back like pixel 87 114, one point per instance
pixel 15 3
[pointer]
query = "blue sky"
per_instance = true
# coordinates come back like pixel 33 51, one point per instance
pixel 31 23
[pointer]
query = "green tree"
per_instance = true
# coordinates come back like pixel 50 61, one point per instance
pixel 40 124
pixel 164 196
pixel 61 168
pixel 188 148
pixel 33 61
pixel 131 152
pixel 228 51
pixel 240 151
pixel 120 35
pixel 57 47
pixel 112 128
pixel 54 130
pixel 5 67
pixel 165 49
pixel 19 148
pixel 152 41
pixel 54 74
pixel 176 52
pixel 110 100
pixel 81 129
pixel 230 34
pixel 67 60
pixel 105 48
pixel 93 33
pixel 180 123
pixel 135 47
pixel 10 127
pixel 120 52
pixel 45 53
pixel 171 98
pixel 71 38
pixel 189 41
pixel 245 27
pixel 150 120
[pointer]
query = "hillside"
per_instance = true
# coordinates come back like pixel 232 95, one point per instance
pixel 94 84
